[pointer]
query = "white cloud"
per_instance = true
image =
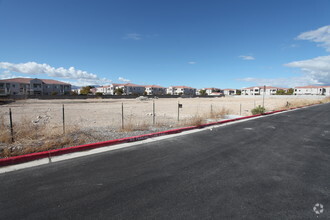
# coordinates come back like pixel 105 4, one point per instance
pixel 321 35
pixel 191 62
pixel 123 79
pixel 317 69
pixel 314 71
pixel 87 82
pixel 133 36
pixel 7 75
pixel 281 82
pixel 243 57
pixel 33 68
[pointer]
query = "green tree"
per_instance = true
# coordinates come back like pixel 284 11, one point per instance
pixel 238 92
pixel 119 91
pixel 290 91
pixel 280 92
pixel 202 92
pixel 85 90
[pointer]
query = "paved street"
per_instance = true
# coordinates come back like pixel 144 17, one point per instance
pixel 275 167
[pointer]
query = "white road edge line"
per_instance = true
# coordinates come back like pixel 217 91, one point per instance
pixel 68 156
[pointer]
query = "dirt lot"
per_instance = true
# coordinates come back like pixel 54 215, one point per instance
pixel 37 122
pixel 107 112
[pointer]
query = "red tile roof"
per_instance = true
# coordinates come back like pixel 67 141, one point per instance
pixel 130 84
pixel 51 81
pixel 211 88
pixel 182 87
pixel 27 81
pixel 309 87
pixel 261 87
pixel 154 86
pixel 116 84
pixel 252 87
pixel 104 86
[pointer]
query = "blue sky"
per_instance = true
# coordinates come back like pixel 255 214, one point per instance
pixel 224 44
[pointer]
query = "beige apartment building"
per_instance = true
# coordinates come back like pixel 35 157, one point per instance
pixel 30 86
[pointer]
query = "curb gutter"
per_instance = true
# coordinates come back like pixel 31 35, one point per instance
pixel 51 153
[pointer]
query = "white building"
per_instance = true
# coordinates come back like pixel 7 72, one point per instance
pixel 312 90
pixel 229 91
pixel 211 91
pixel 181 90
pixel 132 89
pixel 128 89
pixel 102 89
pixel 29 86
pixel 155 90
pixel 108 90
pixel 327 90
pixel 259 90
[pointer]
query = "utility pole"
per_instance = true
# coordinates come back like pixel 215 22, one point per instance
pixel 122 115
pixel 63 119
pixel 263 98
pixel 11 125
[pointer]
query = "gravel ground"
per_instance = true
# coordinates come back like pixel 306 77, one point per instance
pixel 90 121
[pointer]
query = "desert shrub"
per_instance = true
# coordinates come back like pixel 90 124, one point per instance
pixel 258 110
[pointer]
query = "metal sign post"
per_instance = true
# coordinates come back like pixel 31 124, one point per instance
pixel 179 106
pixel 153 112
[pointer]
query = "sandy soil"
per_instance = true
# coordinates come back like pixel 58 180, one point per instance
pixel 107 112
pixel 38 124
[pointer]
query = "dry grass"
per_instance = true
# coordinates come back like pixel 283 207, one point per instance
pixel 42 136
pixel 299 103
pixel 134 125
pixel 219 113
pixel 197 120
pixel 326 100
pixel 30 137
pixel 4 133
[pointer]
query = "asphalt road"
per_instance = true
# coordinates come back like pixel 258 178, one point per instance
pixel 275 167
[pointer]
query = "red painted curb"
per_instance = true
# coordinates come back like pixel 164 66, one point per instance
pixel 57 152
pixel 47 154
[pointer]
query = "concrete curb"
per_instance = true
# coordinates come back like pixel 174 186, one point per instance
pixel 51 153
